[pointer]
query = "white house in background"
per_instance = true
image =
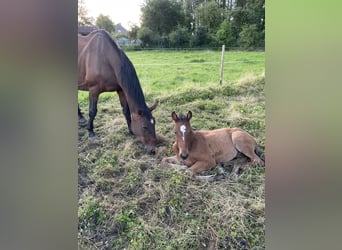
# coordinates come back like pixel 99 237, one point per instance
pixel 120 30
pixel 122 34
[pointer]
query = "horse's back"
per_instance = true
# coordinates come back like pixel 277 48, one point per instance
pixel 98 61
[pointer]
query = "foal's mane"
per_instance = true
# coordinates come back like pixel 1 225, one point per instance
pixel 182 117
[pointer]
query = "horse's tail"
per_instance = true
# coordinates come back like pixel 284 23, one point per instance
pixel 259 153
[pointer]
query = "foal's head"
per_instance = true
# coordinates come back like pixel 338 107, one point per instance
pixel 183 133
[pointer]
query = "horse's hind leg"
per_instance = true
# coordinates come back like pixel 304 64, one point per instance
pixel 82 122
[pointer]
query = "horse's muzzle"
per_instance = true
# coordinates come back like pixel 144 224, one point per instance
pixel 151 150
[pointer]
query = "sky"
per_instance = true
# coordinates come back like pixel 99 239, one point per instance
pixel 126 12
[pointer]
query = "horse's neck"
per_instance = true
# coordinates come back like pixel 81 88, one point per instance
pixel 132 88
pixel 134 104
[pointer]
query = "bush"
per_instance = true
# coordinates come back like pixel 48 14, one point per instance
pixel 249 37
pixel 145 35
pixel 224 34
pixel 179 38
pixel 201 37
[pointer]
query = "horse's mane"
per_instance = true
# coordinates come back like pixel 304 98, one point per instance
pixel 129 79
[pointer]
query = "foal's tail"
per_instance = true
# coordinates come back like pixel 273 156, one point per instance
pixel 259 153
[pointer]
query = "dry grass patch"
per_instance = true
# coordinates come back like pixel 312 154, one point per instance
pixel 128 201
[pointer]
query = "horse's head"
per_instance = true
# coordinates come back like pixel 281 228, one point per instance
pixel 183 133
pixel 143 127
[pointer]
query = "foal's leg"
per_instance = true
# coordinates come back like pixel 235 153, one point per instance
pixel 249 151
pixel 246 145
pixel 125 109
pixel 239 164
pixel 81 120
pixel 200 166
pixel 173 162
pixel 92 113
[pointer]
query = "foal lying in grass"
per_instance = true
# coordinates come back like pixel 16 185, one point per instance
pixel 200 150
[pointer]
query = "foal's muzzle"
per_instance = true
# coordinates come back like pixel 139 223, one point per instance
pixel 184 156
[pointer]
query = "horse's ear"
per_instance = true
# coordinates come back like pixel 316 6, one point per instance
pixel 189 115
pixel 153 106
pixel 174 116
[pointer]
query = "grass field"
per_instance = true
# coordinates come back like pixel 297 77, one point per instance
pixel 128 201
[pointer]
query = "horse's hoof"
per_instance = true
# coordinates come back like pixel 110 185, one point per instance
pixel 94 139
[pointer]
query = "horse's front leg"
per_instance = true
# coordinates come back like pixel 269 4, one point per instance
pixel 125 109
pixel 92 113
pixel 82 122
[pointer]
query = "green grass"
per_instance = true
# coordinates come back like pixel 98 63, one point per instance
pixel 161 71
pixel 127 200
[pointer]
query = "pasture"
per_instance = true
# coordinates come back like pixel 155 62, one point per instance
pixel 128 200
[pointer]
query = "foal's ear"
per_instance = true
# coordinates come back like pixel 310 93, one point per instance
pixel 153 106
pixel 189 115
pixel 174 116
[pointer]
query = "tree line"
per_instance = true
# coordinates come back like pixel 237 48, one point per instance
pixel 196 23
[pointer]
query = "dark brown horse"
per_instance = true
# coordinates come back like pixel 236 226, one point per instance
pixel 201 150
pixel 104 67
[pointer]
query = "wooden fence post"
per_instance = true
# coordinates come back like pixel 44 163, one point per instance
pixel 222 63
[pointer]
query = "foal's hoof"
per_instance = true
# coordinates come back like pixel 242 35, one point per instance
pixel 234 176
pixel 82 122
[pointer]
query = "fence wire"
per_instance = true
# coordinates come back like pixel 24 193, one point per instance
pixel 192 63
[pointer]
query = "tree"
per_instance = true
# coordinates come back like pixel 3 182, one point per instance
pixel 207 22
pixel 248 12
pixel 224 34
pixel 256 16
pixel 200 37
pixel 133 32
pixel 104 22
pixel 83 16
pixel 146 36
pixel 162 16
pixel 249 37
pixel 209 15
pixel 180 37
